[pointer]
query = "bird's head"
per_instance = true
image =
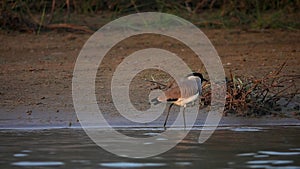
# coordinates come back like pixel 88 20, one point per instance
pixel 196 75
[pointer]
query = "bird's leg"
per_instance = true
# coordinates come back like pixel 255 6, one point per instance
pixel 168 115
pixel 183 112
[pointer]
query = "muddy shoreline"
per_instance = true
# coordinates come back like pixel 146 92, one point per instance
pixel 36 72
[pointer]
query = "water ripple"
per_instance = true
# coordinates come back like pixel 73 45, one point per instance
pixel 276 153
pixel 131 165
pixel 37 163
pixel 246 129
pixel 273 162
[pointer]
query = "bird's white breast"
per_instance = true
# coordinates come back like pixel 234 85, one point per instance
pixel 184 101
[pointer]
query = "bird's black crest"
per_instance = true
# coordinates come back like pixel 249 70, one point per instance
pixel 199 75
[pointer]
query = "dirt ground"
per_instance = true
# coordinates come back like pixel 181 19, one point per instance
pixel 36 70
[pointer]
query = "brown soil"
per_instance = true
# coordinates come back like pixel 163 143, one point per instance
pixel 36 70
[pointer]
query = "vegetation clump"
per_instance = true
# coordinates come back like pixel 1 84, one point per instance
pixel 28 15
pixel 273 94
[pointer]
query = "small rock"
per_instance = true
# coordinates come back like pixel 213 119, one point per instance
pixel 297 107
pixel 29 112
pixel 71 37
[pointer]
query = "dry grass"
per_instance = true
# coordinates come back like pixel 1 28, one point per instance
pixel 250 96
pixel 28 15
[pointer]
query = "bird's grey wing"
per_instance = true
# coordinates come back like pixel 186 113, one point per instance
pixel 184 89
pixel 188 88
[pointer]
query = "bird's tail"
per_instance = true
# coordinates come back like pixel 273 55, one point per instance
pixel 155 101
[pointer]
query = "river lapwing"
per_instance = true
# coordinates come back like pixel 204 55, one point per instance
pixel 189 92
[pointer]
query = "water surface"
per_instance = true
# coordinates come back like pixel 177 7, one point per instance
pixel 241 147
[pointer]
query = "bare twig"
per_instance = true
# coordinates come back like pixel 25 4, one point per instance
pixel 152 81
pixel 260 96
pixel 69 26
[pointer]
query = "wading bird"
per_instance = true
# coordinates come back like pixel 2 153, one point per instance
pixel 188 90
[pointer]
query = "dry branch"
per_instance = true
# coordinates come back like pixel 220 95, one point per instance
pixel 69 26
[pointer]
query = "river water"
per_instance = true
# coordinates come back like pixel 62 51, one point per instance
pixel 229 147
